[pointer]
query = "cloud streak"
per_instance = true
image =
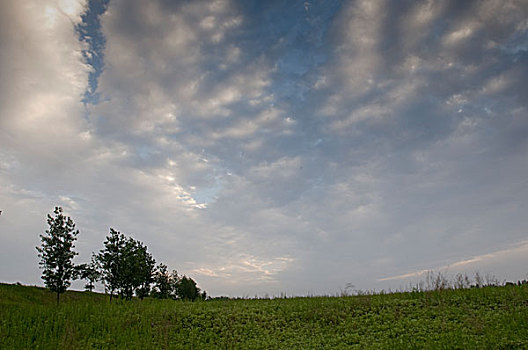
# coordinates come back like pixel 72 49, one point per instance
pixel 464 265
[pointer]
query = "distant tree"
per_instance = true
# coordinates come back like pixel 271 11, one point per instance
pixel 56 253
pixel 162 283
pixel 144 268
pixel 187 289
pixel 110 261
pixel 90 273
pixel 170 285
pixel 129 263
pixel 126 266
pixel 175 283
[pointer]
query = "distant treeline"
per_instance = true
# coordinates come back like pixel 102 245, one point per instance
pixel 124 266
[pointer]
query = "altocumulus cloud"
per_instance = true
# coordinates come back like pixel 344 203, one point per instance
pixel 267 147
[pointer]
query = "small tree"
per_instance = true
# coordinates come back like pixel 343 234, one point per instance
pixel 162 282
pixel 126 266
pixel 174 280
pixel 110 261
pixel 56 253
pixel 187 289
pixel 144 266
pixel 90 273
pixel 170 285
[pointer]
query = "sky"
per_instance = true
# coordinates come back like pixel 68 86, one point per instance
pixel 267 147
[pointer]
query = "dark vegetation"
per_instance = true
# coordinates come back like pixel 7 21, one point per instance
pixel 124 266
pixel 493 317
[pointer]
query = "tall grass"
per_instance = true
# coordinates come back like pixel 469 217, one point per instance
pixel 489 317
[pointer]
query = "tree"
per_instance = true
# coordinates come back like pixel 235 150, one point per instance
pixel 162 282
pixel 137 268
pixel 170 285
pixel 110 261
pixel 174 283
pixel 187 289
pixel 90 273
pixel 126 265
pixel 144 267
pixel 56 253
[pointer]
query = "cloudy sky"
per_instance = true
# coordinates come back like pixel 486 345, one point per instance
pixel 270 146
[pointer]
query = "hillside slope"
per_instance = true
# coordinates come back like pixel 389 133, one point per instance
pixel 490 317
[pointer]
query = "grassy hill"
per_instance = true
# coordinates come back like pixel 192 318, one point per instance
pixel 490 317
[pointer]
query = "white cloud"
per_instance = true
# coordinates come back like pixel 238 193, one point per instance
pixel 359 53
pixel 246 269
pixel 43 79
pixel 459 35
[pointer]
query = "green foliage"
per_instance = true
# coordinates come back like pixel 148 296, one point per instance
pixel 56 252
pixel 109 261
pixel 164 282
pixel 170 285
pixel 186 289
pixel 477 318
pixel 90 273
pixel 126 266
pixel 142 267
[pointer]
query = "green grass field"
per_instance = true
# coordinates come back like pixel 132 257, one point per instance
pixel 487 318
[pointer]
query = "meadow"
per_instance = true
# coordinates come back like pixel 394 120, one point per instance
pixel 494 317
